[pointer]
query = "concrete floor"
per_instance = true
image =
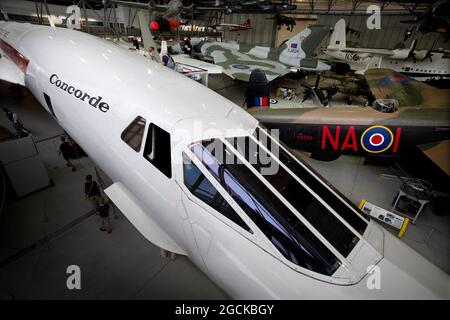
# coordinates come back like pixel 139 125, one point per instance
pixel 45 232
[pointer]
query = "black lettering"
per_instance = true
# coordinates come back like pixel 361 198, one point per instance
pixel 96 101
pixel 51 77
pixel 78 93
pixel 103 107
pixel 84 96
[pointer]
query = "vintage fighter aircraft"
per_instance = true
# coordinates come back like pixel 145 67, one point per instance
pixel 264 226
pixel 406 113
pixel 239 60
pixel 233 27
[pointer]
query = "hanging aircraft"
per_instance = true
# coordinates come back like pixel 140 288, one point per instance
pixel 239 60
pixel 171 9
pixel 281 20
pixel 435 19
pixel 406 113
pixel 424 64
pixel 246 25
pixel 255 6
pixel 265 226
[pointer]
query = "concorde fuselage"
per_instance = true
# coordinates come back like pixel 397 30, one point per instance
pixel 95 89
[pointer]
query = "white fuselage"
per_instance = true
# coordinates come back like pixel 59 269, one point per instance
pixel 438 67
pixel 245 265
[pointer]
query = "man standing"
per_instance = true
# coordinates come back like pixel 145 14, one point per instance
pixel 66 150
pixel 152 53
pixel 103 212
pixel 92 191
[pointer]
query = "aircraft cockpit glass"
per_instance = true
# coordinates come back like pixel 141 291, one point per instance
pixel 203 189
pixel 347 210
pixel 292 238
pixel 298 194
pixel 386 105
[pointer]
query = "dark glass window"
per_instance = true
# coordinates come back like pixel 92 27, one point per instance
pixel 134 133
pixel 49 104
pixel 342 238
pixel 350 216
pixel 157 149
pixel 287 233
pixel 200 187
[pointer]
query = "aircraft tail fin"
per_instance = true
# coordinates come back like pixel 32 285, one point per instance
pixel 302 45
pixel 338 37
pixel 247 23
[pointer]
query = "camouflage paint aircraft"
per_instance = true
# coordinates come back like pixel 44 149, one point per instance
pixel 406 114
pixel 239 60
pixel 350 85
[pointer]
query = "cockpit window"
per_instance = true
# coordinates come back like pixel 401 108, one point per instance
pixel 200 187
pixel 287 233
pixel 342 208
pixel 133 134
pixel 157 149
pixel 307 204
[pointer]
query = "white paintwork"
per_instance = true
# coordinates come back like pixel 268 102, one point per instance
pixel 362 59
pixel 186 60
pixel 126 202
pixel 245 265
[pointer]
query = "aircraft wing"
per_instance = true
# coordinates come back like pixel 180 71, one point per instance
pixel 388 84
pixel 438 153
pixel 9 71
pixel 239 65
pixel 188 62
pixel 139 5
pixel 142 221
pixel 380 52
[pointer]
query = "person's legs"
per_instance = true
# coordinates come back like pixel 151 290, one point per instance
pixel 69 163
pixel 107 224
pixel 94 202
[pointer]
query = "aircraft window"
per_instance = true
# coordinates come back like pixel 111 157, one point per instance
pixel 286 232
pixel 157 149
pixel 134 133
pixel 341 237
pixel 340 205
pixel 200 187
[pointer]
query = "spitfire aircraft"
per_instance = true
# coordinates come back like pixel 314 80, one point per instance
pixel 406 113
pixel 239 60
pixel 233 27
pixel 256 220
pixel 414 63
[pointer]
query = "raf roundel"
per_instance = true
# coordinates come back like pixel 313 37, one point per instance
pixel 240 66
pixel 377 139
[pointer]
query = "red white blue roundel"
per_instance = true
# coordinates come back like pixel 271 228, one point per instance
pixel 377 139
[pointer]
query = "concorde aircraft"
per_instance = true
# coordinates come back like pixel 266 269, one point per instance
pixel 197 175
